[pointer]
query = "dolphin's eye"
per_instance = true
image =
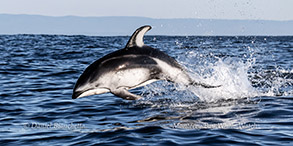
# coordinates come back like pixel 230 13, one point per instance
pixel 121 66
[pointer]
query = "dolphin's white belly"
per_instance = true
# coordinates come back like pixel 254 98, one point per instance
pixel 128 78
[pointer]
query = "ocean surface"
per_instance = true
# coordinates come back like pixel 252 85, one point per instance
pixel 254 105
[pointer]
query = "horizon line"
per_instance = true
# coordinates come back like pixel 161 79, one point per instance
pixel 147 17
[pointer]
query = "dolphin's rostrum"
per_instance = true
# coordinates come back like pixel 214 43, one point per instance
pixel 134 66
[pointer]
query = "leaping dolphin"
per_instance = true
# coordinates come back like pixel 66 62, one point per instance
pixel 134 66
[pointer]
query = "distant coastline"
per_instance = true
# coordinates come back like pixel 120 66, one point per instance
pixel 122 26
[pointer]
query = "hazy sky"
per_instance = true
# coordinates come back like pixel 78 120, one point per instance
pixel 207 9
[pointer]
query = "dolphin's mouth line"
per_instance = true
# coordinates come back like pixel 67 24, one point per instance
pixel 76 94
pixel 91 91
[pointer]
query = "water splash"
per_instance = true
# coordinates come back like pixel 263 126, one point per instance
pixel 238 77
pixel 242 79
pixel 232 74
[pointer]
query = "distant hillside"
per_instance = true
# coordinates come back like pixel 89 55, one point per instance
pixel 105 26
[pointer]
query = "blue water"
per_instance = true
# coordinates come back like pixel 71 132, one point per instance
pixel 254 105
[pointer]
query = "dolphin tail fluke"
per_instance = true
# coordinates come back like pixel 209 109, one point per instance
pixel 123 93
pixel 204 85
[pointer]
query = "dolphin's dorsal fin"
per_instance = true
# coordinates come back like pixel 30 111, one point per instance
pixel 137 37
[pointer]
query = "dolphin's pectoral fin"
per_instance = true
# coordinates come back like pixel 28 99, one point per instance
pixel 204 85
pixel 123 93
